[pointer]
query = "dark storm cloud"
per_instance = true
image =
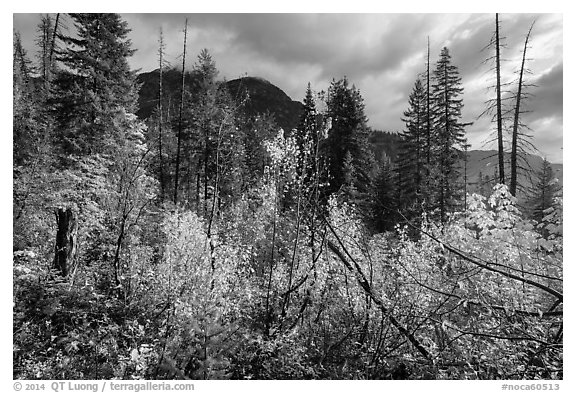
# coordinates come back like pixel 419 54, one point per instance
pixel 546 95
pixel 546 115
pixel 382 54
pixel 340 44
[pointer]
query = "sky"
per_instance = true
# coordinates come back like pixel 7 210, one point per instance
pixel 381 54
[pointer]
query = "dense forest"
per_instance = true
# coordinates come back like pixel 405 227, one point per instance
pixel 189 235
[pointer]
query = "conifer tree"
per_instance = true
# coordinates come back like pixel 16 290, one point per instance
pixel 94 86
pixel 206 116
pixel 349 133
pixel 45 41
pixel 213 150
pixel 307 134
pixel 449 133
pixel 32 150
pixel 483 185
pixel 385 200
pixel 25 129
pixel 161 49
pixel 20 62
pixel 348 189
pixel 543 192
pixel 412 158
pixel 429 120
pixel 99 141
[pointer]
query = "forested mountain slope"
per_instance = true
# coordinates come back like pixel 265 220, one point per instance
pixel 256 95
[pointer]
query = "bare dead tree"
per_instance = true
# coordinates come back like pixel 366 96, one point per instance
pixel 466 147
pixel 181 110
pixel 161 47
pixel 517 135
pixel 499 104
pixel 494 106
pixel 54 36
pixel 65 248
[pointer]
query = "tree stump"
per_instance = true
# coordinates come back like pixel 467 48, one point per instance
pixel 65 248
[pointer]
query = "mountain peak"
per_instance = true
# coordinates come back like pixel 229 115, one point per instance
pixel 263 96
pixel 255 79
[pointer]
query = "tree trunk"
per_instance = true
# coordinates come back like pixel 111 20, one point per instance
pixel 515 127
pixel 198 185
pixel 53 42
pixel 65 248
pixel 428 124
pixel 501 175
pixel 160 98
pixel 177 174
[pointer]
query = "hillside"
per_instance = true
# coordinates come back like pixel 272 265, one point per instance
pixel 486 162
pixel 384 144
pixel 148 94
pixel 260 96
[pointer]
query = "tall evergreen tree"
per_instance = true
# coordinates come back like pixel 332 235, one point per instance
pixel 348 189
pixel 94 86
pixel 161 49
pixel 21 63
pixel 348 133
pixel 25 129
pixel 213 148
pixel 543 192
pixel 449 133
pixel 206 117
pixel 32 151
pixel 307 134
pixel 99 141
pixel 429 115
pixel 43 41
pixel 412 158
pixel 385 198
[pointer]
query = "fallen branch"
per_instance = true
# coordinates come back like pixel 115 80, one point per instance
pixel 355 269
pixel 550 313
pixel 485 265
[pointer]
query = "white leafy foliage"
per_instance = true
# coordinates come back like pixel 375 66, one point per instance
pixel 282 151
pixel 494 234
pixel 553 220
pixel 186 264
